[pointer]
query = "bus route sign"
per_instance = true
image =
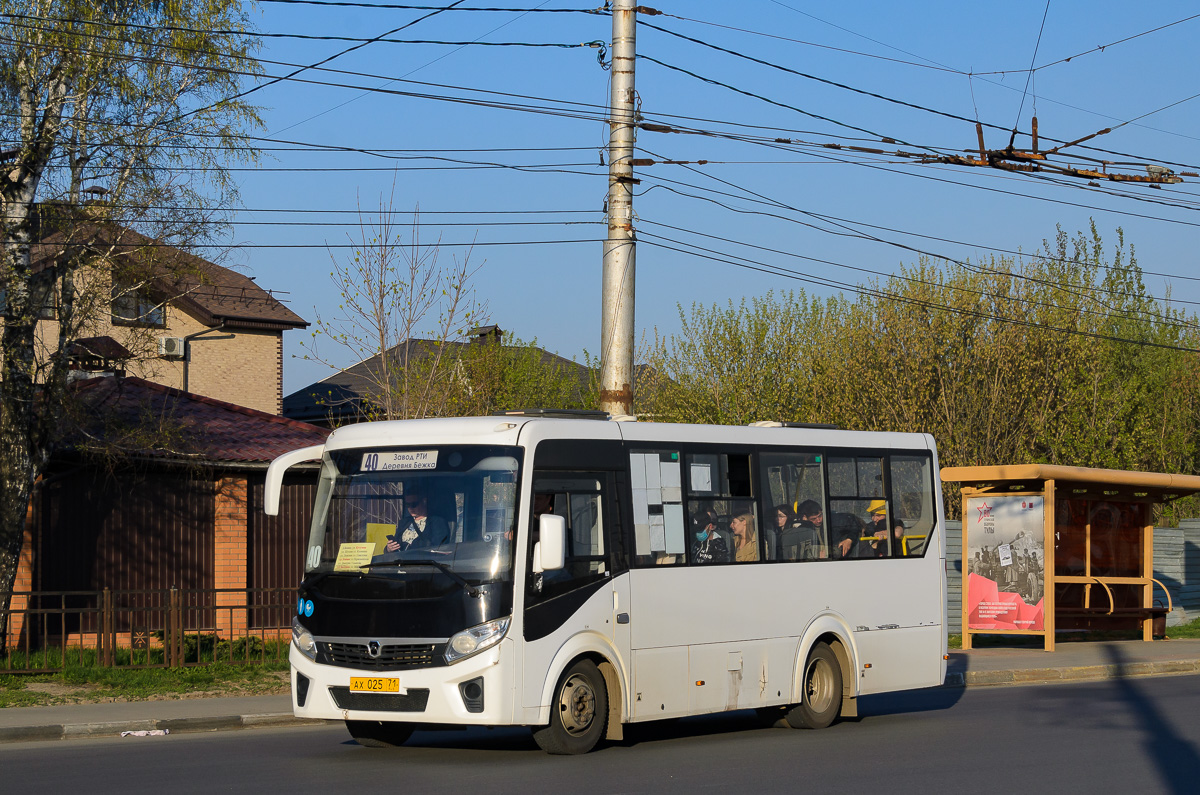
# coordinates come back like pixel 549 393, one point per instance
pixel 395 462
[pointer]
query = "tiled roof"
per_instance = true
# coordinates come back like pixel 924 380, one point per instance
pixel 196 427
pixel 210 292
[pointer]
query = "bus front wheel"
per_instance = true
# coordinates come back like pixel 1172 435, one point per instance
pixel 377 734
pixel 821 691
pixel 578 712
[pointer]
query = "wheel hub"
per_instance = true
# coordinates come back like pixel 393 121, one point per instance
pixel 577 705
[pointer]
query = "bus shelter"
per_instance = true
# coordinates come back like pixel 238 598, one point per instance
pixel 1049 548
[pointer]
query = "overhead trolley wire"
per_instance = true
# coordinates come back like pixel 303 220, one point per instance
pixel 776 270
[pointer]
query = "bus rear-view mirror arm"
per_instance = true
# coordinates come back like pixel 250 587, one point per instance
pixel 550 553
pixel 276 470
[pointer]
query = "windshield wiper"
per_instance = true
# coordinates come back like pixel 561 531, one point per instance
pixel 449 572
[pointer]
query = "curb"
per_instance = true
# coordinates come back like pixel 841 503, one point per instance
pixel 76 731
pixel 1028 676
pixel 1084 673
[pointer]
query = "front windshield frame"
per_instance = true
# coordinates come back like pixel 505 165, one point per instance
pixel 472 497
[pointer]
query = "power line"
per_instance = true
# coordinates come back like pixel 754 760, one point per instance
pixel 981 293
pixel 301 36
pixel 775 270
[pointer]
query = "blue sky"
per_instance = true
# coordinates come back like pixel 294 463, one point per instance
pixel 927 54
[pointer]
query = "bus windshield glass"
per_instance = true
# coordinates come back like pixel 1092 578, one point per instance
pixel 389 511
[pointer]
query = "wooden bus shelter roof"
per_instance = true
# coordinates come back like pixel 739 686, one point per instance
pixel 1160 483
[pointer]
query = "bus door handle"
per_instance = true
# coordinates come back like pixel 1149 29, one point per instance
pixel 622 618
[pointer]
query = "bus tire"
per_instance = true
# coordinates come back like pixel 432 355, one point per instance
pixel 378 734
pixel 578 712
pixel 820 691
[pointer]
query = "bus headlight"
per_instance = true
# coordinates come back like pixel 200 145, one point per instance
pixel 476 639
pixel 304 640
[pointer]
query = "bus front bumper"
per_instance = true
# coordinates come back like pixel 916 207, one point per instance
pixel 476 691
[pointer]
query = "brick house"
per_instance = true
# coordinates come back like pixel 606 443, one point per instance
pixel 184 512
pixel 177 319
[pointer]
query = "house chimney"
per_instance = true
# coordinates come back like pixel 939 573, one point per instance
pixel 485 335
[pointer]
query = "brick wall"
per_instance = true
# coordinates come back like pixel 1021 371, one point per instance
pixel 230 554
pixel 23 583
pixel 241 367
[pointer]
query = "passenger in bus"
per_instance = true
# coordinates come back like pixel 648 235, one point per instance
pixel 802 539
pixel 876 530
pixel 707 544
pixel 847 530
pixel 745 537
pixel 417 529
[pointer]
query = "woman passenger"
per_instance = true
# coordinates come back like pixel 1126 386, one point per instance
pixel 745 537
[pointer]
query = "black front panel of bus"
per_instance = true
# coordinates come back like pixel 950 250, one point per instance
pixel 349 605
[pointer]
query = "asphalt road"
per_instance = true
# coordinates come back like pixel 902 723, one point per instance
pixel 1133 735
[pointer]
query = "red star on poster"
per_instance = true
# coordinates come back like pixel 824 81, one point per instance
pixel 984 510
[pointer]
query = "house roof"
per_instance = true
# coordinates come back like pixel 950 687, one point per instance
pixel 346 395
pixel 211 293
pixel 153 421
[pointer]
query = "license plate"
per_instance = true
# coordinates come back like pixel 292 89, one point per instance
pixel 374 684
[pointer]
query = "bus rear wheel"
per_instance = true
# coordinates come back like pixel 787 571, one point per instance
pixel 377 734
pixel 578 713
pixel 821 691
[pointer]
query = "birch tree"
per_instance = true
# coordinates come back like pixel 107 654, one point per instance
pixel 115 115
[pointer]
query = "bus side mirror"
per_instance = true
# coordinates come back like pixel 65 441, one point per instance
pixel 552 546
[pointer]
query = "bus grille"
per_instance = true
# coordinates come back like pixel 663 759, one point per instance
pixel 393 658
pixel 412 701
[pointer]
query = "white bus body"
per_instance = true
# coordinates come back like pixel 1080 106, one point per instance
pixel 632 626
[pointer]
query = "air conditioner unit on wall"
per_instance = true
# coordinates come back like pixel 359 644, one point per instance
pixel 171 347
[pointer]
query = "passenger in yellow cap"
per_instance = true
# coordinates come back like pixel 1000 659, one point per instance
pixel 877 511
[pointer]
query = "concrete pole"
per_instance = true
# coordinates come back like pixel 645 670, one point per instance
pixel 616 326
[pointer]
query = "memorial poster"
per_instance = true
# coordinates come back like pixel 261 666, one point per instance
pixel 1005 563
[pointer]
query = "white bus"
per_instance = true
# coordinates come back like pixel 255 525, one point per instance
pixel 575 574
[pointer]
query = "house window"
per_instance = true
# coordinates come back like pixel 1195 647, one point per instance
pixel 43 295
pixel 133 306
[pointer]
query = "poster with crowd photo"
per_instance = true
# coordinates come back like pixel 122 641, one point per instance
pixel 1005 564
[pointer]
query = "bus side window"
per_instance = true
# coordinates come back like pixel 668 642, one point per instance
pixel 793 489
pixel 859 514
pixel 912 498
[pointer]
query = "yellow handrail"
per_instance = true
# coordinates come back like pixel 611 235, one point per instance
pixel 1106 590
pixel 1170 605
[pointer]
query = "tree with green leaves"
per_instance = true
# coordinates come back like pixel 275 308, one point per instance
pixel 102 105
pixel 1062 357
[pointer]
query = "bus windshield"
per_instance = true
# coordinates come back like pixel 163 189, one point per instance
pixel 442 510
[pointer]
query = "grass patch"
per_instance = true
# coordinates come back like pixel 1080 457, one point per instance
pixel 81 684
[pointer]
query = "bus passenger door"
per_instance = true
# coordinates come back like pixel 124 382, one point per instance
pixel 576 605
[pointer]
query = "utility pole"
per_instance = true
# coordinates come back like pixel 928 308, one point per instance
pixel 616 325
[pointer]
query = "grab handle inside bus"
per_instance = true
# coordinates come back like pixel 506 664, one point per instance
pixel 552 546
pixel 276 470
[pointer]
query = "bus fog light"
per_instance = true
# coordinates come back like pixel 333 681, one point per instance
pixel 304 640
pixel 475 639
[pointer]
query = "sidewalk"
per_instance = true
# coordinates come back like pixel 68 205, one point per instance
pixel 1070 662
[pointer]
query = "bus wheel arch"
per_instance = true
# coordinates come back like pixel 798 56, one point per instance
pixel 825 684
pixel 579 710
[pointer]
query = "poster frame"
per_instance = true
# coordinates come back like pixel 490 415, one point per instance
pixel 1048 503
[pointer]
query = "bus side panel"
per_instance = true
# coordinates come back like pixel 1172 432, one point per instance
pixel 660 683
pixel 901 658
pixel 728 676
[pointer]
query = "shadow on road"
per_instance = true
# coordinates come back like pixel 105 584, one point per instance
pixel 1177 759
pixel 519 739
